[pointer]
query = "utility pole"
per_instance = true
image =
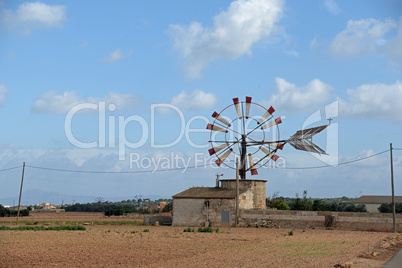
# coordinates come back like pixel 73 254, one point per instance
pixel 392 185
pixel 237 191
pixel 22 181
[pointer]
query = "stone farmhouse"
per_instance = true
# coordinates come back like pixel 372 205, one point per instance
pixel 216 206
pixel 373 202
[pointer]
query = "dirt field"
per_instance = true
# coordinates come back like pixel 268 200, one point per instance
pixel 116 242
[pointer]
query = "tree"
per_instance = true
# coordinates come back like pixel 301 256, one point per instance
pixel 280 205
pixel 387 208
pixel 302 203
pixel 168 207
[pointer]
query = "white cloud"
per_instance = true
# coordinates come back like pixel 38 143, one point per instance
pixel 52 102
pixel 361 37
pixel 232 35
pixel 292 98
pixel 3 94
pixel 332 7
pixel 86 43
pixel 379 101
pixel 393 48
pixel 30 16
pixel 313 43
pixel 115 56
pixel 197 100
pixel 292 52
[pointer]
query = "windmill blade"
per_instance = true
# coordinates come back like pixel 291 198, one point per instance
pixel 272 123
pixel 217 148
pixel 253 169
pixel 237 105
pixel 274 144
pixel 216 128
pixel 248 102
pixel 271 155
pixel 267 113
pixel 220 118
pixel 305 145
pixel 223 157
pixel 302 140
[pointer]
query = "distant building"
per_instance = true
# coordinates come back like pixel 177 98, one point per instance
pixel 16 207
pixel 373 202
pixel 197 205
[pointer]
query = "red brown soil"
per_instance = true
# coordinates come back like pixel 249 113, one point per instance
pixel 106 245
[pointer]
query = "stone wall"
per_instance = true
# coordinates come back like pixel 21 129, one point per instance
pixel 254 197
pixel 372 208
pixel 321 219
pixel 162 220
pixel 193 212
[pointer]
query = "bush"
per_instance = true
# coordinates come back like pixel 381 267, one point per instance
pixel 114 212
pixel 24 212
pixel 189 230
pixel 5 212
pixel 205 230
pixel 280 205
pixel 42 228
pixel 387 208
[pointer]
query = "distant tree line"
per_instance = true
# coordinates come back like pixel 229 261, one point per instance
pixel 387 208
pixel 5 212
pixel 116 208
pixel 308 204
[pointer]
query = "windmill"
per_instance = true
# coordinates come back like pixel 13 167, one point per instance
pixel 254 139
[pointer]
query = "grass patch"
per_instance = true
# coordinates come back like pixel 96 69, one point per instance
pixel 207 230
pixel 59 222
pixel 43 228
pixel 314 249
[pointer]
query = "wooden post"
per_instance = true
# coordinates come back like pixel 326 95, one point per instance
pixel 392 185
pixel 237 191
pixel 22 181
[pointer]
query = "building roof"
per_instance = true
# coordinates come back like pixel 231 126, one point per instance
pixel 377 199
pixel 209 192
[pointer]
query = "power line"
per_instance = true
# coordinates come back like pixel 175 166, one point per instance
pixel 339 164
pixel 1 170
pixel 111 172
pixel 182 168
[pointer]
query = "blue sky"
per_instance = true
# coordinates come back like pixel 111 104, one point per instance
pixel 310 60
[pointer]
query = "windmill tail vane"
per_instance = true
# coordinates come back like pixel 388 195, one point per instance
pixel 248 140
pixel 303 140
